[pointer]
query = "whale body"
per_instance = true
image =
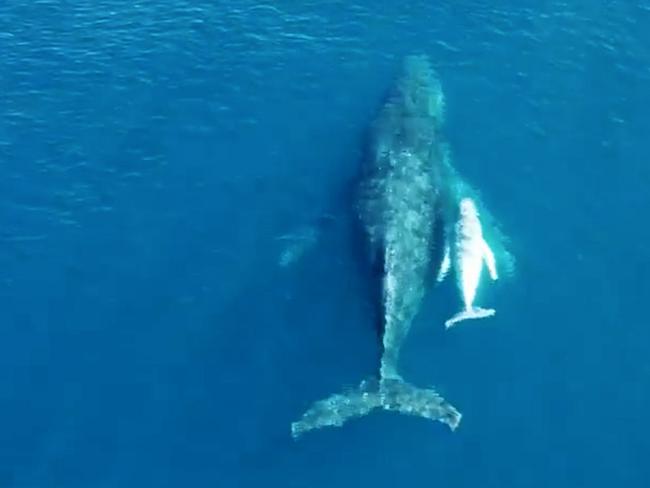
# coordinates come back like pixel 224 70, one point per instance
pixel 399 196
pixel 469 253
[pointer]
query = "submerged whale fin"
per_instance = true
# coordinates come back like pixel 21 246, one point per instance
pixel 297 244
pixel 490 262
pixel 472 313
pixel 388 394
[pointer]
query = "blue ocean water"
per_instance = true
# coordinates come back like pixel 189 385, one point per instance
pixel 153 155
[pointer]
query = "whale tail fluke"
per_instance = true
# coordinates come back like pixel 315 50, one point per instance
pixel 472 313
pixel 388 394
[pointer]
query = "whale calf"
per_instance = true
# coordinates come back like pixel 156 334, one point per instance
pixel 468 251
pixel 398 204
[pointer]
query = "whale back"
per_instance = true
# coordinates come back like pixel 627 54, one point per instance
pixel 398 197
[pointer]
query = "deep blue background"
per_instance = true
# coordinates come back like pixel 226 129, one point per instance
pixel 151 154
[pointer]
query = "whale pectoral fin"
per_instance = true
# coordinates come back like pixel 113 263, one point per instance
pixel 300 241
pixel 444 265
pixel 488 257
pixel 296 245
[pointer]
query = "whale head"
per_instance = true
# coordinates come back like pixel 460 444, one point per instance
pixel 468 208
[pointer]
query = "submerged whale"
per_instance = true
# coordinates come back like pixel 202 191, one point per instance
pixel 399 198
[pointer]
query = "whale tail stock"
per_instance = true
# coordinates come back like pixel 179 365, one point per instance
pixel 472 313
pixel 388 394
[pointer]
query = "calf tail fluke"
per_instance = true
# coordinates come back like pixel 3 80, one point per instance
pixel 388 394
pixel 470 314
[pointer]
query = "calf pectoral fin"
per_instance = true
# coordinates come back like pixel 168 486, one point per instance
pixel 444 265
pixel 488 257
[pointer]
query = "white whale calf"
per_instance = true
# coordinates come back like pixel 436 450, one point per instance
pixel 468 252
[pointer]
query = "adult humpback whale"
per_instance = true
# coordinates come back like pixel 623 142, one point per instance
pixel 399 200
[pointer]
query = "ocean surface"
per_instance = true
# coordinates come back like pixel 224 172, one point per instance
pixel 181 267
